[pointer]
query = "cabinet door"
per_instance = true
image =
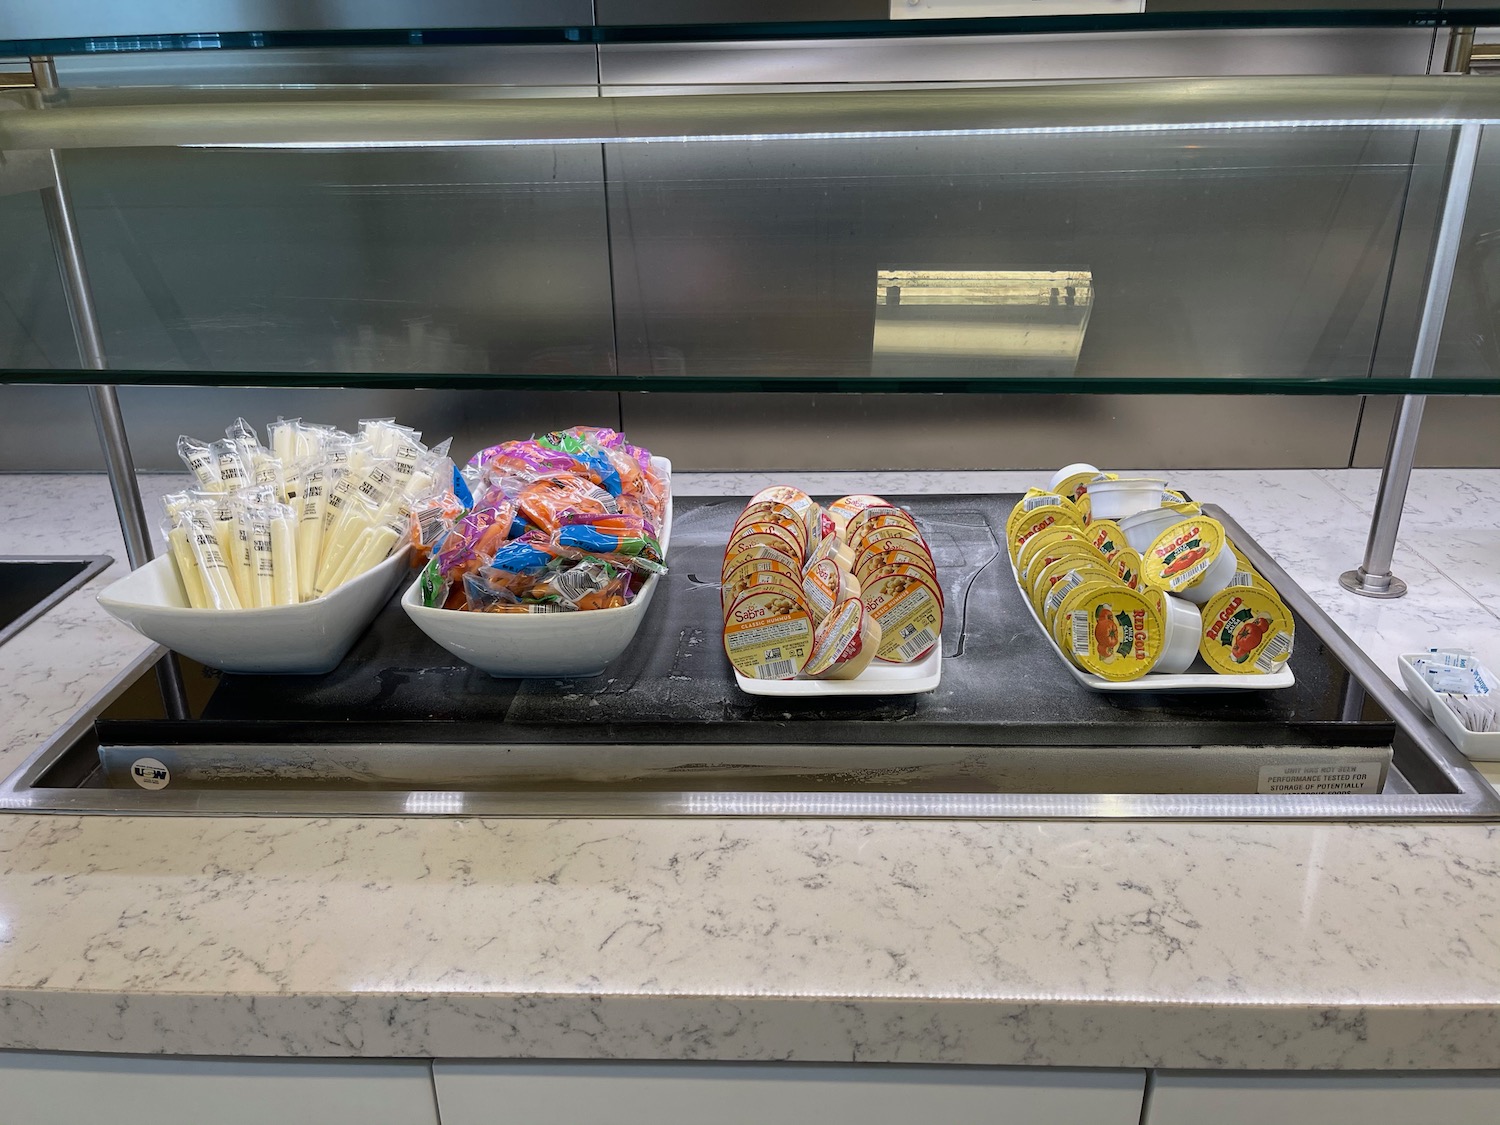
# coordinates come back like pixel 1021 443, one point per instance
pixel 1179 1098
pixel 704 1094
pixel 48 1089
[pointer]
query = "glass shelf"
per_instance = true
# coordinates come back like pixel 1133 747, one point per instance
pixel 1479 384
pixel 1181 236
pixel 152 38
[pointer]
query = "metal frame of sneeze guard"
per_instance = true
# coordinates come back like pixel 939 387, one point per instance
pixel 318 122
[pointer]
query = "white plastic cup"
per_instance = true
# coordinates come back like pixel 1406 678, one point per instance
pixel 1142 528
pixel 1183 629
pixel 1067 471
pixel 1214 579
pixel 1116 499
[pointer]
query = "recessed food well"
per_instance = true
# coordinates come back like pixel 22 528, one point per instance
pixel 402 727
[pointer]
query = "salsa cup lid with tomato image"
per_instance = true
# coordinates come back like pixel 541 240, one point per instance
pixel 1046 577
pixel 1050 537
pixel 1246 630
pixel 1070 580
pixel 1127 566
pixel 1110 630
pixel 1018 530
pixel 1189 558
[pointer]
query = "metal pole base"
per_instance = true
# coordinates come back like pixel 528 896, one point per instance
pixel 1372 585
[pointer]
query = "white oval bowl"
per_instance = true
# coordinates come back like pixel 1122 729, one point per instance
pixel 305 639
pixel 532 645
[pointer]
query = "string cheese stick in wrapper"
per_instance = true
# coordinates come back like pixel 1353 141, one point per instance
pixel 201 463
pixel 358 515
pixel 283 435
pixel 284 574
pixel 218 587
pixel 310 529
pixel 233 472
pixel 262 564
pixel 178 542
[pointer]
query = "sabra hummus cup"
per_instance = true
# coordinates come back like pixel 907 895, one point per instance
pixel 909 612
pixel 845 508
pixel 874 536
pixel 1190 559
pixel 1142 528
pixel 767 535
pixel 764 580
pixel 768 635
pixel 845 644
pixel 771 514
pixel 1110 630
pixel 901 552
pixel 777 513
pixel 734 558
pixel 1116 499
pixel 1245 630
pixel 825 585
pixel 805 505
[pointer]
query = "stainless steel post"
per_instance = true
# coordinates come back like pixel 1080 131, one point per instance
pixel 57 204
pixel 1373 578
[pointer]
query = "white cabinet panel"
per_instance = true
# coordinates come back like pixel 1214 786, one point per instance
pixel 1328 1099
pixel 691 1094
pixel 50 1089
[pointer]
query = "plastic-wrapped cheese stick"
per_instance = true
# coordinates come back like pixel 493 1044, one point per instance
pixel 372 548
pixel 201 462
pixel 241 563
pixel 233 472
pixel 262 562
pixel 218 587
pixel 284 576
pixel 178 539
pixel 310 529
pixel 358 500
pixel 338 543
pixel 283 435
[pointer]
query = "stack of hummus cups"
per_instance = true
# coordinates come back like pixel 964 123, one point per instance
pixel 823 593
pixel 1131 578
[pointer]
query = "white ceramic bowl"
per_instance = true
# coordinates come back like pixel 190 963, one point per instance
pixel 1472 744
pixel 306 639
pixel 530 645
pixel 1184 629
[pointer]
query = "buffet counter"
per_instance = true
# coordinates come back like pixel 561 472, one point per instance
pixel 1057 943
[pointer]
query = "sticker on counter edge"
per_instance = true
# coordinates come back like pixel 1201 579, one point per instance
pixel 1332 777
pixel 150 773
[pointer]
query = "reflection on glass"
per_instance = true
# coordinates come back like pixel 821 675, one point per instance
pixel 977 323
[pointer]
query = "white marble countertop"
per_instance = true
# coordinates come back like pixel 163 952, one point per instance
pixel 1066 943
